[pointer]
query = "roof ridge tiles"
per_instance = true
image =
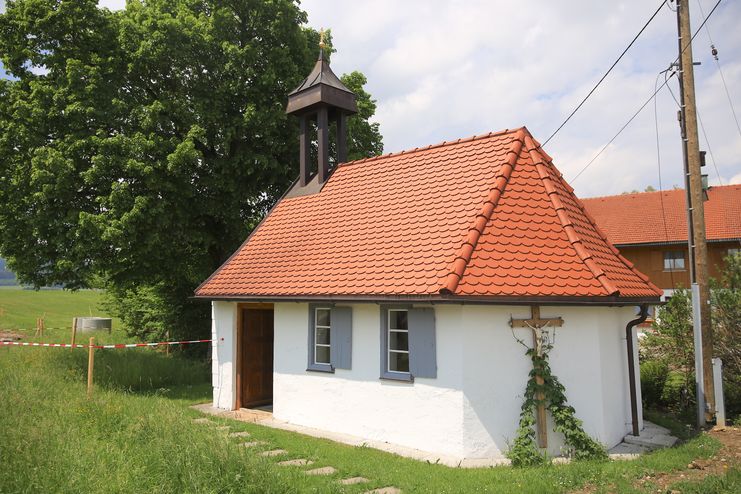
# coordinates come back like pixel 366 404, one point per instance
pixel 649 192
pixel 466 250
pixel 433 146
pixel 586 257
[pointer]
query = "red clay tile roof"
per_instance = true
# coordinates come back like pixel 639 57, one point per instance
pixel 487 217
pixel 636 218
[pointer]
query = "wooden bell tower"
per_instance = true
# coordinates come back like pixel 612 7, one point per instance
pixel 321 98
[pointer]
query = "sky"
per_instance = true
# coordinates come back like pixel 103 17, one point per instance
pixel 447 69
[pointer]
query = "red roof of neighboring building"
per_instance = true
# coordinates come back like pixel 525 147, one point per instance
pixel 487 217
pixel 637 218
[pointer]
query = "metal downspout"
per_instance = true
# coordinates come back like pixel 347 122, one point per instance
pixel 632 365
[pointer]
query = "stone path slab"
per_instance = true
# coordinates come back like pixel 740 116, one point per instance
pixel 300 462
pixel 222 428
pixel 239 434
pixel 353 481
pixel 321 471
pixel 252 444
pixel 385 490
pixel 202 420
pixel 274 452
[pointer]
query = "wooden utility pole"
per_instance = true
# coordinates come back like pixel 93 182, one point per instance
pixel 696 211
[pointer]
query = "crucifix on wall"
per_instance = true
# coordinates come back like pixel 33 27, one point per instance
pixel 537 325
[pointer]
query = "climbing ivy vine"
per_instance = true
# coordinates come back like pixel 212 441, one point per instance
pixel 551 394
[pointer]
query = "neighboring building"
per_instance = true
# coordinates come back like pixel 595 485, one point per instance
pixel 650 229
pixel 377 299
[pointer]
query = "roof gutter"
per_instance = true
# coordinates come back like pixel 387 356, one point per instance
pixel 672 242
pixel 437 299
pixel 643 314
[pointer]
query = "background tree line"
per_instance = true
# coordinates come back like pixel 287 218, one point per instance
pixel 139 148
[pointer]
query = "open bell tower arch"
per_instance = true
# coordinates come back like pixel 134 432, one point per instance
pixel 321 98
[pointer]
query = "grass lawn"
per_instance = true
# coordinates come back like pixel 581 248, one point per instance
pixel 136 435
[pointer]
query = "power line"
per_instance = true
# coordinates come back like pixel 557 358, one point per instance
pixel 705 135
pixel 644 105
pixel 606 74
pixel 710 150
pixel 720 70
pixel 658 163
pixel 697 31
pixel 666 80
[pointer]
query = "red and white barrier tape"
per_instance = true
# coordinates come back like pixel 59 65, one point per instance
pixel 55 345
pixel 117 345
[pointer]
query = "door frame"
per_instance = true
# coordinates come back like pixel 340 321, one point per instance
pixel 241 307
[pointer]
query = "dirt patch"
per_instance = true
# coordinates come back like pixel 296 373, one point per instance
pixel 729 455
pixel 10 336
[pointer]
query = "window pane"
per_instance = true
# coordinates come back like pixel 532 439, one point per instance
pixel 398 362
pixel 322 336
pixel 322 317
pixel 673 259
pixel 322 355
pixel 398 319
pixel 398 340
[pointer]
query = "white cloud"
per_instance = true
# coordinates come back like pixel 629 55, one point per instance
pixel 453 68
pixel 443 70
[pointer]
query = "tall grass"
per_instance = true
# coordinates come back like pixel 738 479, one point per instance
pixel 136 435
pixel 53 439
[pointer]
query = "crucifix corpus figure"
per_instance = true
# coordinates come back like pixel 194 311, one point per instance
pixel 536 324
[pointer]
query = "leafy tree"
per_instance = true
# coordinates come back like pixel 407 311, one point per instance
pixel 667 352
pixel 671 343
pixel 363 138
pixel 140 147
pixel 725 298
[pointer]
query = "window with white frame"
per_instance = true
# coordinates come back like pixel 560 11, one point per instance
pixel 674 260
pixel 398 340
pixel 322 335
pixel 734 251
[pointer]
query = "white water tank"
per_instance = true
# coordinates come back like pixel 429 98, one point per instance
pixel 90 324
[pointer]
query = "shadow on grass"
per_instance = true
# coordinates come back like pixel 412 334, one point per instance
pixel 680 425
pixel 142 372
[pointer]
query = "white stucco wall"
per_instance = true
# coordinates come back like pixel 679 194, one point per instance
pixel 471 410
pixel 223 356
pixel 426 414
pixel 589 358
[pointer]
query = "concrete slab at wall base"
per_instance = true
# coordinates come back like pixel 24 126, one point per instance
pixel 268 421
pixel 626 450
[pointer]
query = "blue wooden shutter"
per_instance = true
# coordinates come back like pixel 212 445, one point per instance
pixel 341 338
pixel 422 351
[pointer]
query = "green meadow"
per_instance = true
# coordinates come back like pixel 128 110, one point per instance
pixel 136 434
pixel 20 308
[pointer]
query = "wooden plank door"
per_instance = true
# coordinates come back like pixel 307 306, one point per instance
pixel 256 357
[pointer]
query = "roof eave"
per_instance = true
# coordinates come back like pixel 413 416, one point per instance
pixel 439 299
pixel 673 242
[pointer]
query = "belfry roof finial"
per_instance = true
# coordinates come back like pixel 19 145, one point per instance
pixel 322 45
